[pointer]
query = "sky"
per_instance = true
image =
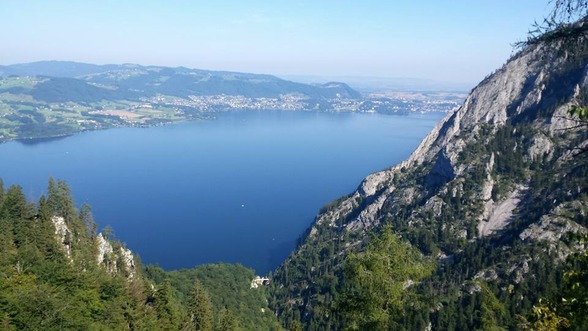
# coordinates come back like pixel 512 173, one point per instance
pixel 454 40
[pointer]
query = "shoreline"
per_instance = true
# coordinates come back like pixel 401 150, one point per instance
pixel 205 116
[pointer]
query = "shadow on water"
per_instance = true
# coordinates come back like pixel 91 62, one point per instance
pixel 38 141
pixel 278 254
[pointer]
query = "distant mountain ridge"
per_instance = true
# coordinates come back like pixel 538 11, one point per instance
pixel 131 81
pixel 56 98
pixel 367 84
pixel 68 69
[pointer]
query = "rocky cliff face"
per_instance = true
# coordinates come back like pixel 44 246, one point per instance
pixel 516 92
pixel 500 170
pixel 62 234
pixel 114 258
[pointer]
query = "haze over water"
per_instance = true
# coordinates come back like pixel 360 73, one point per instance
pixel 241 188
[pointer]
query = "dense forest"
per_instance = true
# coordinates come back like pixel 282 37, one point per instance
pixel 58 273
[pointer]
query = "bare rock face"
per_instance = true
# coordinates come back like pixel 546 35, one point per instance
pixel 104 249
pixel 518 89
pixel 107 255
pixel 489 184
pixel 128 261
pixel 62 234
pixel 553 226
pixel 367 217
pixel 497 215
pixel 524 86
pixel 111 258
pixel 374 182
pixel 551 229
pixel 541 147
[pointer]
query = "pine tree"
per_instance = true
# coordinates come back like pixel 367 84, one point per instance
pixel 66 207
pixel 226 321
pixel 14 206
pixel 88 220
pixel 200 308
pixel 59 199
pixel 1 191
pixel 167 312
pixel 52 196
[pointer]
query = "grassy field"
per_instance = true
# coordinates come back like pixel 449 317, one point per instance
pixel 24 117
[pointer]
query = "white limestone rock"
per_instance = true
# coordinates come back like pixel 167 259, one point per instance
pixel 62 234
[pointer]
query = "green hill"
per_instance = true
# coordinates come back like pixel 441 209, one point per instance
pixel 57 273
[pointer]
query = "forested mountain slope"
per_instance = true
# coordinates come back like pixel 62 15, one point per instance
pixel 58 273
pixel 487 199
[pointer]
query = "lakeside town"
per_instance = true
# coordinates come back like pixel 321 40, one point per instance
pixel 24 119
pixel 382 102
pixel 81 97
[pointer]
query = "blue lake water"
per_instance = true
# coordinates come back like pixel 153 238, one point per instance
pixel 241 188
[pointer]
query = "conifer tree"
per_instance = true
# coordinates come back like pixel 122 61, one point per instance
pixel 226 320
pixel 59 199
pixel 167 312
pixel 200 308
pixel 66 205
pixel 52 196
pixel 88 220
pixel 1 191
pixel 15 203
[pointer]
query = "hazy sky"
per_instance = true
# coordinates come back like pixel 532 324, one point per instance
pixel 453 40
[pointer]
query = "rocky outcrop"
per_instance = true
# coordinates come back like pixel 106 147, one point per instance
pixel 104 249
pixel 62 234
pixel 113 259
pixel 128 261
pixel 106 255
pixel 259 281
pixel 553 226
pixel 496 216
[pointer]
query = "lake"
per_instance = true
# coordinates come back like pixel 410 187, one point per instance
pixel 240 189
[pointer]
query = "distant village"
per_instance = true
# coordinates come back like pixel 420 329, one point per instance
pixel 386 103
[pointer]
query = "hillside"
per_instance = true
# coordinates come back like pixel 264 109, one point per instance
pixel 131 81
pixel 489 197
pixel 58 273
pixel 52 98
